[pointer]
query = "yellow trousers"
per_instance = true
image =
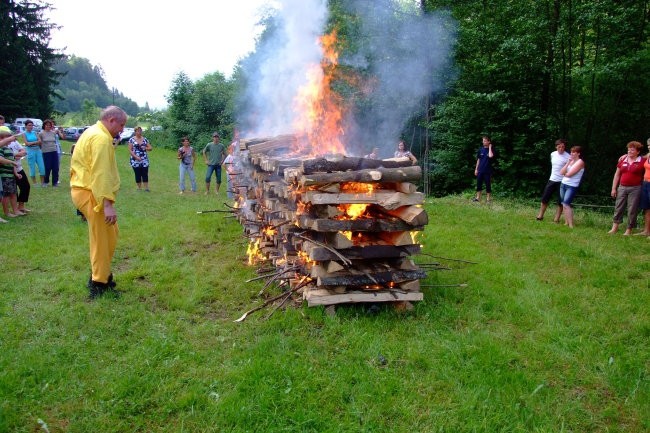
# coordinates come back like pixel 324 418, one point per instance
pixel 102 237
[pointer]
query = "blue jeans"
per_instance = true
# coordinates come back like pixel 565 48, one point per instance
pixel 189 170
pixel 567 194
pixel 213 168
pixel 35 158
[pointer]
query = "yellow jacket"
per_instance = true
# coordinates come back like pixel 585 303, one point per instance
pixel 93 166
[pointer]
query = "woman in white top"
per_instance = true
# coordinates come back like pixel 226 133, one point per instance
pixel 572 172
pixel 558 159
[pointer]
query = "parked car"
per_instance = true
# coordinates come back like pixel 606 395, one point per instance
pixel 126 134
pixel 16 129
pixel 74 132
pixel 38 123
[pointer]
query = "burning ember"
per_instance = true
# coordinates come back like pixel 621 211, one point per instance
pixel 352 211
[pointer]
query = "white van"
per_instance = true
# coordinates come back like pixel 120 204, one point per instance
pixel 38 123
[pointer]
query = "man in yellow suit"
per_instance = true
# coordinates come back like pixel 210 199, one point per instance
pixel 94 183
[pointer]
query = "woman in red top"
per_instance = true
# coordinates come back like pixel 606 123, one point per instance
pixel 626 187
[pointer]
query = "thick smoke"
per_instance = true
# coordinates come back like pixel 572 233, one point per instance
pixel 409 53
pixel 402 52
pixel 284 59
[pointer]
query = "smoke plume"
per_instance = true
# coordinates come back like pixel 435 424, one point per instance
pixel 401 53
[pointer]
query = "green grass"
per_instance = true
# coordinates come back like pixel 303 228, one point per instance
pixel 551 333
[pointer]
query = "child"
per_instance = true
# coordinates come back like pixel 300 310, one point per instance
pixel 8 175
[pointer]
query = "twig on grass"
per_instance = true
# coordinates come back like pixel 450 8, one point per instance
pixel 447 258
pixel 277 307
pixel 305 280
pixel 277 276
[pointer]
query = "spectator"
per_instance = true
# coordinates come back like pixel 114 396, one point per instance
pixel 213 153
pixel 187 155
pixel 48 138
pixel 3 127
pixel 34 153
pixel 483 170
pixel 138 147
pixel 626 187
pixel 22 182
pixel 374 154
pixel 60 135
pixel 401 152
pixel 94 182
pixel 572 175
pixel 645 194
pixel 229 165
pixel 8 175
pixel 558 158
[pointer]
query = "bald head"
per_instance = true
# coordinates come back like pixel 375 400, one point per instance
pixel 114 119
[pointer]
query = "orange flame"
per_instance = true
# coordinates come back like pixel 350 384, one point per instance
pixel 350 187
pixel 302 208
pixel 304 258
pixel 321 120
pixel 269 231
pixel 353 211
pixel 254 253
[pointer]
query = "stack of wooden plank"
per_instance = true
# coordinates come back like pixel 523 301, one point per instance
pixel 347 226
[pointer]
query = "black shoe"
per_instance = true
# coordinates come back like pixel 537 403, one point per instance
pixel 97 289
pixel 110 283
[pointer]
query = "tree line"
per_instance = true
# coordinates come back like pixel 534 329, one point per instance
pixel 523 72
pixel 534 71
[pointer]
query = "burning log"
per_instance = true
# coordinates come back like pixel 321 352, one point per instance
pixel 380 174
pixel 346 224
pixel 328 165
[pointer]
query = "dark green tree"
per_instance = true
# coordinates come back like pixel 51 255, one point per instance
pixel 27 73
pixel 530 72
pixel 83 81
pixel 179 99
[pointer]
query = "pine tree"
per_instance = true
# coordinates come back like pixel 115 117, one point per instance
pixel 27 74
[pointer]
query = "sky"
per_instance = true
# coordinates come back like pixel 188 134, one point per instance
pixel 143 44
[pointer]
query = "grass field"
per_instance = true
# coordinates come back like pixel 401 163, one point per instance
pixel 551 333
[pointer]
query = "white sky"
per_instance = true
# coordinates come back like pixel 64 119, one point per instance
pixel 142 44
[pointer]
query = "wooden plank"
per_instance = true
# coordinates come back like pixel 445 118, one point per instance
pixel 396 238
pixel 325 268
pixel 345 278
pixel 327 212
pixel 410 286
pixel 318 254
pixel 343 163
pixel 359 225
pixel 273 143
pixel 325 297
pixel 387 199
pixel 406 187
pixel 400 174
pixel 412 215
pixel 338 241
